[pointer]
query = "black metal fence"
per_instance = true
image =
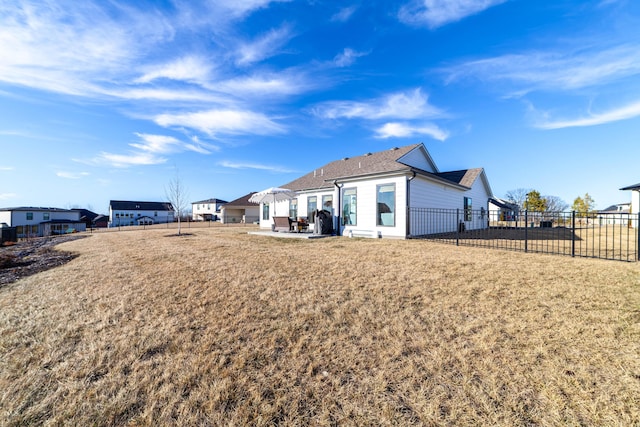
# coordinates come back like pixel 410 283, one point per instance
pixel 595 235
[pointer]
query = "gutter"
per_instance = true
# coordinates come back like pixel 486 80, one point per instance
pixel 408 220
pixel 339 211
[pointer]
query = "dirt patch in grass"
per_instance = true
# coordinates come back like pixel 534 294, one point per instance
pixel 32 256
pixel 226 328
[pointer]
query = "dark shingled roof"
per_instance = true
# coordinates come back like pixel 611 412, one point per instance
pixel 375 163
pixel 464 177
pixel 367 164
pixel 210 201
pixel 125 205
pixel 632 187
pixel 242 201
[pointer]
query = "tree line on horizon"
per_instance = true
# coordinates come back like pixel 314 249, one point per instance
pixel 531 200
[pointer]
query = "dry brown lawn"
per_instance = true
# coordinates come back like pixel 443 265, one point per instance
pixel 224 328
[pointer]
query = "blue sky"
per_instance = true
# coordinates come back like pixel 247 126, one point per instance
pixel 109 100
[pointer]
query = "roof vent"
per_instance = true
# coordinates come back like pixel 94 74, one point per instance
pixel 394 148
pixel 368 154
pixel 346 158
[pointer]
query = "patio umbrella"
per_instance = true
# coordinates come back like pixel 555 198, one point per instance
pixel 272 195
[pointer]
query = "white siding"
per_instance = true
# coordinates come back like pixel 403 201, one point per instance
pixel 417 159
pixel 5 216
pixel 367 207
pixel 129 217
pixel 429 194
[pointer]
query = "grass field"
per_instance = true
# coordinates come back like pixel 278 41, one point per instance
pixel 218 327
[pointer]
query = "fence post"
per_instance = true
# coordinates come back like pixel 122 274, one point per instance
pixel 526 231
pixel 457 226
pixel 573 233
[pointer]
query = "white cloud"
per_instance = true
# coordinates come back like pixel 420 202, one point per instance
pixel 344 14
pixel 554 70
pixel 163 144
pixel 189 68
pixel 64 47
pixel 402 105
pixel 7 196
pixel 238 8
pixel 283 83
pixel 6 168
pixel 263 47
pixel 127 160
pixel 212 122
pixel 405 130
pixel 242 165
pixel 436 13
pixel 157 143
pixel 347 57
pixel 72 175
pixel 623 113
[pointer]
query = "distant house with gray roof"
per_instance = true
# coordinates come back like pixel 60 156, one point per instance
pixel 125 213
pixel 240 211
pixel 32 221
pixel 382 194
pixel 207 210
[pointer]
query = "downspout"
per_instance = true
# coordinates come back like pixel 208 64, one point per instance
pixel 408 221
pixel 339 211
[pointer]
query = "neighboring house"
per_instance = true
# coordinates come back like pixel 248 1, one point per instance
pixel 207 210
pixel 502 210
pixel 124 213
pixel 635 197
pixel 615 214
pixel 635 201
pixel 101 221
pixel 86 216
pixel 386 194
pixel 240 210
pixel 39 222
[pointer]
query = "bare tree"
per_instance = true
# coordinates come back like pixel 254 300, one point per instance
pixel 518 196
pixel 177 194
pixel 555 204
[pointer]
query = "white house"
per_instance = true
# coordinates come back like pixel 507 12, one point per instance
pixel 502 210
pixel 396 193
pixel 39 221
pixel 124 213
pixel 618 214
pixel 240 211
pixel 207 210
pixel 635 202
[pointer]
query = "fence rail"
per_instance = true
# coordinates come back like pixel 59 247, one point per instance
pixel 606 236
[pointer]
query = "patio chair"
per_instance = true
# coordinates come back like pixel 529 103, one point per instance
pixel 282 223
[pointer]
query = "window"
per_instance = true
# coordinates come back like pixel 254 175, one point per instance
pixel 386 198
pixel 45 216
pixel 155 213
pixel 327 203
pixel 293 208
pixel 265 211
pixel 29 216
pixel 467 209
pixel 349 203
pixel 312 206
pixel 208 207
